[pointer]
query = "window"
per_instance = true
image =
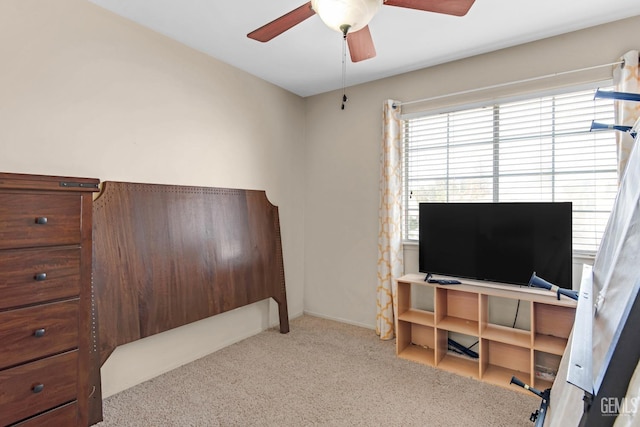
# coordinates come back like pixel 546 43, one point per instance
pixel 529 150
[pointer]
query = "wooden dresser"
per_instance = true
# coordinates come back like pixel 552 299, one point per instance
pixel 45 299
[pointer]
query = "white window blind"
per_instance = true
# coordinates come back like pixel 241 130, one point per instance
pixel 533 150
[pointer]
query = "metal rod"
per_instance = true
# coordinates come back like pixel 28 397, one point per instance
pixel 622 96
pixel 500 85
pixel 595 126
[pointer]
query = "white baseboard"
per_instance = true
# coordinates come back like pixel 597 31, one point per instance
pixel 338 319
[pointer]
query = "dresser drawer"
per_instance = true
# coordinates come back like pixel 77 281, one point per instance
pixel 29 276
pixel 64 416
pixel 30 220
pixel 29 333
pixel 20 393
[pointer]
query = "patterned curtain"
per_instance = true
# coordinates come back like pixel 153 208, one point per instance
pixel 390 262
pixel 626 79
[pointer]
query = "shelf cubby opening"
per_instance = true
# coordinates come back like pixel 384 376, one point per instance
pixel 423 297
pixel 501 361
pixel 510 328
pixel 403 297
pixel 513 313
pixel 452 361
pixel 407 310
pixel 545 367
pixel 457 311
pixel 552 326
pixel 418 343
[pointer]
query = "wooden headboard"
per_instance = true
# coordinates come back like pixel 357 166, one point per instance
pixel 165 256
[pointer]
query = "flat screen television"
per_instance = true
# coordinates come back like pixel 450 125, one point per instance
pixel 498 242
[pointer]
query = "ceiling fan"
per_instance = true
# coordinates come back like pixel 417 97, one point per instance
pixel 351 18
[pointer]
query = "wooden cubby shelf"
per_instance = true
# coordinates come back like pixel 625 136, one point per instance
pixel 459 365
pixel 507 335
pixel 417 316
pixel 530 352
pixel 456 324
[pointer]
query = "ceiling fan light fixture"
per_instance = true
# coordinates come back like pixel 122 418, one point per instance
pixel 346 15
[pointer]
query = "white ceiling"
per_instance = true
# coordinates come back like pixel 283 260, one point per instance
pixel 307 59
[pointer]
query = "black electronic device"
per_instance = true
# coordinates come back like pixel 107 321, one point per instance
pixel 456 347
pixel 444 281
pixel 499 242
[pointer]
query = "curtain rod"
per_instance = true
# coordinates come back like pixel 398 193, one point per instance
pixel 496 86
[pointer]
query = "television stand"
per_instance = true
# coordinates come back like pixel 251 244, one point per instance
pixel 532 354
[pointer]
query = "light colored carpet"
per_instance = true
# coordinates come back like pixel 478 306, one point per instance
pixel 322 373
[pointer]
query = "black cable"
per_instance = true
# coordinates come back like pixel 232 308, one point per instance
pixel 516 318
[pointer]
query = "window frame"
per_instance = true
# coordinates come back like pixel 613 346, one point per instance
pixel 493 103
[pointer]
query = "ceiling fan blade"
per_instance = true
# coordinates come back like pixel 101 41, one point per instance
pixel 448 7
pixel 282 24
pixel 361 45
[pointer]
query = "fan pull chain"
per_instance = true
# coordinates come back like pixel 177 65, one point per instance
pixel 344 68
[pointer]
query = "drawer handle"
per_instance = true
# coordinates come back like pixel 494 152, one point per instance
pixel 37 388
pixel 39 333
pixel 41 220
pixel 40 277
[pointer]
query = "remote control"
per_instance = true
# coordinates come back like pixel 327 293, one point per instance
pixel 445 281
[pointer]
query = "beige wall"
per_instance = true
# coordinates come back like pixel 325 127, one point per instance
pixel 86 93
pixel 342 153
